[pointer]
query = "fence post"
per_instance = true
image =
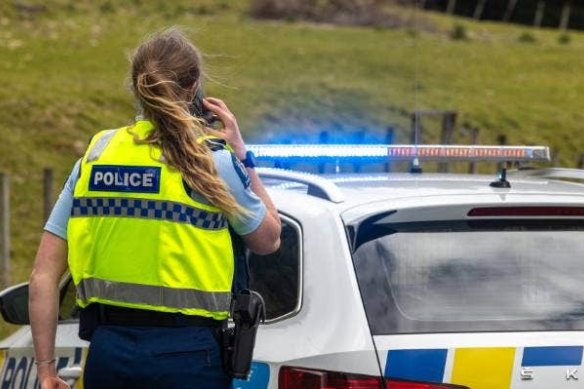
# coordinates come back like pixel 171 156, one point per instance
pixel 474 140
pixel 323 139
pixel 478 13
pixel 47 192
pixel 416 135
pixel 389 141
pixel 539 12
pixel 502 140
pixel 359 139
pixel 509 11
pixel 565 18
pixel 451 6
pixel 5 228
pixel 580 164
pixel 446 136
pixel 555 157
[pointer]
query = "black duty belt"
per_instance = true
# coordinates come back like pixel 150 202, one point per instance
pixel 120 316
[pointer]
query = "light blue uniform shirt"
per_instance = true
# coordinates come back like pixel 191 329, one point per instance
pixel 234 176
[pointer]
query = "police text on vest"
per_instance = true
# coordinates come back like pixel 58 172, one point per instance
pixel 115 178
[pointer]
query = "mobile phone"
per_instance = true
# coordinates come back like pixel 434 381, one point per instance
pixel 198 109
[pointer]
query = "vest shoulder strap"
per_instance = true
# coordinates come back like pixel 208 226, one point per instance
pixel 98 147
pixel 215 143
pixel 104 138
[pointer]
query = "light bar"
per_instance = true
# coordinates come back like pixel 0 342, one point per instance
pixel 338 153
pixel 319 151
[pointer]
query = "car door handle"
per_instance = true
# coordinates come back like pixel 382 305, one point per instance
pixel 70 372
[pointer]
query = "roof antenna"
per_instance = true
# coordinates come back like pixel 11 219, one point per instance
pixel 502 180
pixel 415 167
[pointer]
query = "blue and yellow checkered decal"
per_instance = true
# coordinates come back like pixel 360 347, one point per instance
pixel 552 356
pixel 490 367
pixel 147 209
pixel 2 359
pixel 424 365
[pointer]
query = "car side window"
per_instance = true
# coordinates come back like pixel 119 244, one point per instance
pixel 277 277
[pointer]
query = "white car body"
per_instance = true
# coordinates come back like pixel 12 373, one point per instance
pixel 328 330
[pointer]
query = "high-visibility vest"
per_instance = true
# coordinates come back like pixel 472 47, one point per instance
pixel 137 239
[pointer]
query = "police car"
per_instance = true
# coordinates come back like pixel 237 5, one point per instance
pixel 398 280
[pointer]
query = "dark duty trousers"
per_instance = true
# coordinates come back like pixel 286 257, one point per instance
pixel 154 357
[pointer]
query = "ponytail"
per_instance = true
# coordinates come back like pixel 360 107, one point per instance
pixel 165 73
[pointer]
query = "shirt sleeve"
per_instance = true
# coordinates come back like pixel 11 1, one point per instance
pixel 57 223
pixel 237 179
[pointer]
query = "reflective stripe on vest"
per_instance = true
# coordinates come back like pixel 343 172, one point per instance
pixel 153 295
pixel 147 209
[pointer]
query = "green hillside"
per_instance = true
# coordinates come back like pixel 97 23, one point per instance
pixel 63 67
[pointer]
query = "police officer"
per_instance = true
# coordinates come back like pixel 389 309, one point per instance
pixel 143 224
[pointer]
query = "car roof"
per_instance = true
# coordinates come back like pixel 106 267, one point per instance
pixel 397 185
pixel 352 190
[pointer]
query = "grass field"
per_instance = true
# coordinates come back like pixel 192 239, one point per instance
pixel 63 67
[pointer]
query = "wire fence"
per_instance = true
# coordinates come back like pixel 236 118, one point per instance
pixel 561 14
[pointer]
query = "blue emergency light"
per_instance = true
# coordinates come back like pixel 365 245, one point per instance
pixel 375 153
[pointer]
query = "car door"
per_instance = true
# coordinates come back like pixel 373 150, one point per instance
pixel 16 352
pixel 316 323
pixel 479 295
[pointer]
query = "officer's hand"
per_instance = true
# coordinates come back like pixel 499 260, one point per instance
pixel 54 382
pixel 230 131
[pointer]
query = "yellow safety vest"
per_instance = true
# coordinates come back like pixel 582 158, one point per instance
pixel 137 239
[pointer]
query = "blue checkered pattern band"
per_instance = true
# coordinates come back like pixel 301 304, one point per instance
pixel 147 209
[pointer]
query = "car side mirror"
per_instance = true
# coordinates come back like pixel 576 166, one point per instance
pixel 14 304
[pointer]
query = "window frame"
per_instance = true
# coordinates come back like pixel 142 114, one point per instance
pixel 494 225
pixel 64 285
pixel 297 226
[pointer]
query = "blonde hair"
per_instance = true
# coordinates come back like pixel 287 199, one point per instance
pixel 166 72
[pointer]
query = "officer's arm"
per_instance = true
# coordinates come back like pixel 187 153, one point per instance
pixel 266 238
pixel 50 265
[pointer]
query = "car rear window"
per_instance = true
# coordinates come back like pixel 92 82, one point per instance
pixel 461 276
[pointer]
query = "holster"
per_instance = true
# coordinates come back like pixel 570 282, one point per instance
pixel 238 341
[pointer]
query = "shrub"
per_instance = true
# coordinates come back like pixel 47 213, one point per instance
pixel 459 33
pixel 527 37
pixel 372 13
pixel 107 7
pixel 564 39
